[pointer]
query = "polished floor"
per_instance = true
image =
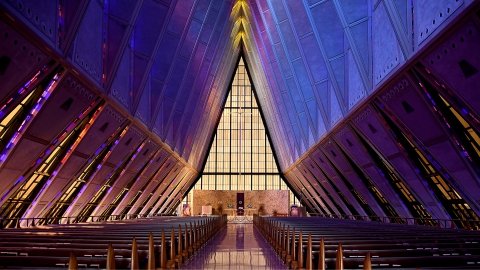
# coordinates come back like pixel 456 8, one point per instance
pixel 239 246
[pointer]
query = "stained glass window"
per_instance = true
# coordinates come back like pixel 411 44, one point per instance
pixel 241 157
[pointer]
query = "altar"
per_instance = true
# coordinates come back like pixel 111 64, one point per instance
pixel 246 212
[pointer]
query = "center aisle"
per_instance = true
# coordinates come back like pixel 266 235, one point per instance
pixel 239 246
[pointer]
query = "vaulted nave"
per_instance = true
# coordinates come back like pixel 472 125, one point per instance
pixel 258 134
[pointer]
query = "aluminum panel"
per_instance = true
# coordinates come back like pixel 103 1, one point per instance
pixel 387 54
pixel 88 191
pixel 54 187
pixel 312 165
pixel 454 63
pixel 289 40
pixel 355 150
pixel 42 15
pixel 325 166
pixel 153 167
pixel 404 9
pixel 303 79
pixel 122 83
pixel 354 10
pixel 180 16
pixel 406 102
pixel 368 123
pixel 202 8
pixel 282 62
pixel 165 56
pixel 316 186
pixel 148 26
pixel 299 17
pixel 309 193
pixel 329 28
pixel 109 120
pixel 422 122
pixel 70 168
pixel 144 107
pixel 127 144
pixel 115 33
pixel 165 163
pixel 88 52
pixel 362 39
pixel 19 60
pixel 122 9
pixel 339 71
pixel 270 27
pixel 169 195
pixel 162 192
pixel 23 156
pixel 352 145
pixel 356 88
pixel 429 15
pixel 68 89
pixel 140 66
pixel 113 191
pixel 191 37
pixel 343 166
pixel 336 113
pixel 314 58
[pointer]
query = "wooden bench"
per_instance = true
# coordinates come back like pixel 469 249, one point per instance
pixel 164 242
pixel 311 242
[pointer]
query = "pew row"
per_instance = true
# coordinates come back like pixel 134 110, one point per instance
pixel 323 243
pixel 150 243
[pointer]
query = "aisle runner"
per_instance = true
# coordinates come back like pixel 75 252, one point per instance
pixel 240 246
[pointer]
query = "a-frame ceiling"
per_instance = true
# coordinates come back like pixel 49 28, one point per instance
pixel 166 65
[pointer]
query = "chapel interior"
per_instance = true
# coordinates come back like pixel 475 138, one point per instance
pixel 239 134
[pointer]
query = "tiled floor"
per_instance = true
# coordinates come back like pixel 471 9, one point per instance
pixel 239 246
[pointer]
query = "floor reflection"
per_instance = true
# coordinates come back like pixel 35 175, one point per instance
pixel 239 246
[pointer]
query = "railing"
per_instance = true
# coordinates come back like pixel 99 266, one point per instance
pixel 35 221
pixel 433 222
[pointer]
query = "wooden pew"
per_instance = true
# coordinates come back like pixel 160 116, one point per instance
pixel 367 244
pixel 121 244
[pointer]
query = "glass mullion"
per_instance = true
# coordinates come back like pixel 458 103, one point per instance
pixel 238 156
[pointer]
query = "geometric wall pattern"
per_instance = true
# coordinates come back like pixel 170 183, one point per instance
pixel 109 107
pixel 240 157
pixel 316 60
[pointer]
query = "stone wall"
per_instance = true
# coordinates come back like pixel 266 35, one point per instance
pixel 224 201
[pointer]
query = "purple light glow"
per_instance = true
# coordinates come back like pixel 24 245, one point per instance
pixel 41 101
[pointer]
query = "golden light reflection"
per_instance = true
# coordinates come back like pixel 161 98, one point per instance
pixel 240 30
pixel 240 8
pixel 238 39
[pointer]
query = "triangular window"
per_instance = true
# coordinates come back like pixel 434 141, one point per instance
pixel 241 157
